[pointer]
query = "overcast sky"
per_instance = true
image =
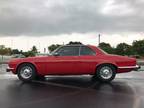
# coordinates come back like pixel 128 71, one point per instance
pixel 24 23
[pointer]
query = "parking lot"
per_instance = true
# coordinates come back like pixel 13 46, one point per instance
pixel 126 91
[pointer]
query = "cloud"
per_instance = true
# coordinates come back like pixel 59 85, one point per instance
pixel 55 17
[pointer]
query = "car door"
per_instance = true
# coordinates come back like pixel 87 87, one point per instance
pixel 87 60
pixel 63 60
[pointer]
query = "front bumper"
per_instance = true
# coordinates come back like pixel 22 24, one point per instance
pixel 8 69
pixel 135 68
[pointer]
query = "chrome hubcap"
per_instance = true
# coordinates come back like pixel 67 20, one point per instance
pixel 26 72
pixel 106 72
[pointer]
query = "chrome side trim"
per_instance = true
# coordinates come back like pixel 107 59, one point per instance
pixel 128 67
pixel 10 68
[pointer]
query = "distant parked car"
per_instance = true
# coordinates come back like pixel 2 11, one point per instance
pixel 18 56
pixel 42 54
pixel 135 56
pixel 73 60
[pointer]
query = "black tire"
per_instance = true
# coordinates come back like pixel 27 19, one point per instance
pixel 40 77
pixel 26 68
pixel 105 73
pixel 94 78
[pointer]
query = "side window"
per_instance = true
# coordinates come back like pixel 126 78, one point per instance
pixel 68 51
pixel 86 51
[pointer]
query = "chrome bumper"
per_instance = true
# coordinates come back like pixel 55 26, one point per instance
pixel 130 67
pixel 8 69
pixel 137 68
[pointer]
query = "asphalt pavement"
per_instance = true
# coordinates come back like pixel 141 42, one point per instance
pixel 126 91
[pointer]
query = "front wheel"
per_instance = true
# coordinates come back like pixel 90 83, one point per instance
pixel 105 73
pixel 26 72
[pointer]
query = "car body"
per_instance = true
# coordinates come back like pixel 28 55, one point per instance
pixel 75 60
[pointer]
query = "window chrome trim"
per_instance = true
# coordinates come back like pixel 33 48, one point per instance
pixel 68 46
pixel 95 53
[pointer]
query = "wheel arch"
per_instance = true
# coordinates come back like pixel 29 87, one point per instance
pixel 102 64
pixel 25 63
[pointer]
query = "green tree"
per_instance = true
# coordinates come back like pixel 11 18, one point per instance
pixel 74 43
pixel 2 46
pixel 106 47
pixel 15 51
pixel 123 49
pixel 34 49
pixel 138 47
pixel 4 50
pixel 53 47
pixel 28 54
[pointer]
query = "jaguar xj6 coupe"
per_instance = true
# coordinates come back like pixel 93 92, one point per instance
pixel 73 60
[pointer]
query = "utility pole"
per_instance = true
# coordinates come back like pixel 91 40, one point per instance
pixel 44 50
pixel 99 39
pixel 12 43
pixel 39 47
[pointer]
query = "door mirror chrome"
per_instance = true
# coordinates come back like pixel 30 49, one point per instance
pixel 56 54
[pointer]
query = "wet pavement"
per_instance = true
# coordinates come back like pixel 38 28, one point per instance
pixel 126 91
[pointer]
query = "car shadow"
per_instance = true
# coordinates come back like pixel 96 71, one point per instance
pixel 70 90
pixel 79 82
pixel 86 82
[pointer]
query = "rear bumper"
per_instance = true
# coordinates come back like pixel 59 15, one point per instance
pixel 136 67
pixel 8 69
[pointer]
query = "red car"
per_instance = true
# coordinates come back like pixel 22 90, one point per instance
pixel 73 60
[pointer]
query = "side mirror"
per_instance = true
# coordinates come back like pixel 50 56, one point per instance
pixel 56 54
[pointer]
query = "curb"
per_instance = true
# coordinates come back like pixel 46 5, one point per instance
pixel 3 62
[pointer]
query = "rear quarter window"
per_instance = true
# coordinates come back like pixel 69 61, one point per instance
pixel 84 50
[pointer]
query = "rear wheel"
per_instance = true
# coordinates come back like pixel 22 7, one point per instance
pixel 105 73
pixel 26 72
